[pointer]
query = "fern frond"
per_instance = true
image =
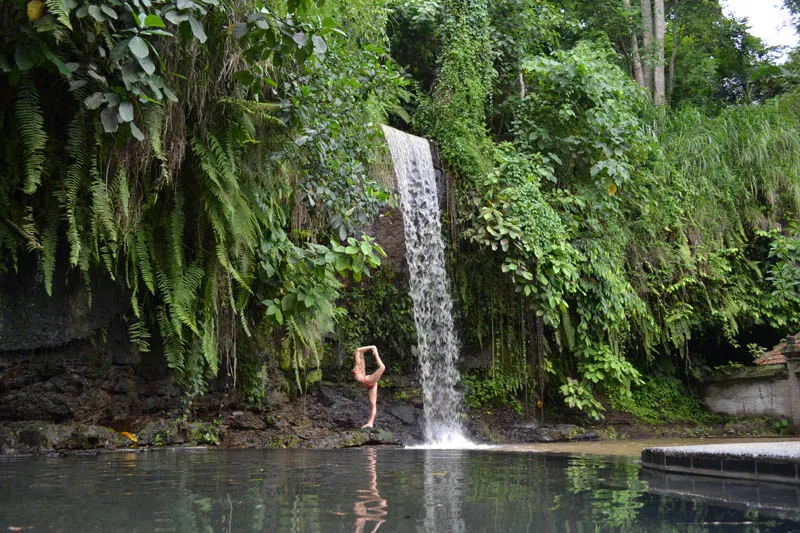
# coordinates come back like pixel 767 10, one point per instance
pixel 8 248
pixel 163 282
pixel 108 256
pixel 76 150
pixel 61 12
pixel 49 245
pixel 210 165
pixel 30 124
pixel 121 195
pixel 154 126
pixel 185 297
pixel 174 350
pixel 141 252
pixel 210 288
pixel 209 347
pixel 263 112
pixel 177 220
pixel 103 223
pixel 29 231
pixel 222 256
pixel 137 311
pixel 140 335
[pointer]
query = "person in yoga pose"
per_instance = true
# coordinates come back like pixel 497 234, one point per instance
pixel 369 381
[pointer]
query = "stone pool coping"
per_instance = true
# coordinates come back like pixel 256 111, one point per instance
pixel 761 461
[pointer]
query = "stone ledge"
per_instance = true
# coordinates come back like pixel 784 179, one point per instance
pixel 769 498
pixel 772 461
pixel 777 371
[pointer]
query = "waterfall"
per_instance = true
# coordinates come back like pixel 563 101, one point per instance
pixel 428 285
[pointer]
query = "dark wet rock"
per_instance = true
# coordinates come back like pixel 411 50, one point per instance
pixel 158 396
pixel 368 436
pixel 81 382
pixel 387 229
pixel 473 358
pixel 31 319
pixel 589 435
pixel 327 395
pixel 405 413
pixel 42 437
pixel 246 420
pixel 170 432
pixel 276 398
pixel 345 407
pixel 359 437
pixel 552 433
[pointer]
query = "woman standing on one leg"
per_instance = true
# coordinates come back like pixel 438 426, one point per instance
pixel 369 381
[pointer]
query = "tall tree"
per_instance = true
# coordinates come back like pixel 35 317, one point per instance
pixel 676 42
pixel 697 24
pixel 647 42
pixel 659 26
pixel 636 58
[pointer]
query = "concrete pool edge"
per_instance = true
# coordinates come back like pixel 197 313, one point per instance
pixel 760 461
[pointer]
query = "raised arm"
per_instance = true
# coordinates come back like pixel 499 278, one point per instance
pixel 367 348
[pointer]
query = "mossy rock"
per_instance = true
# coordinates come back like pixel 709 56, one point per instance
pixel 42 437
pixel 177 433
pixel 367 436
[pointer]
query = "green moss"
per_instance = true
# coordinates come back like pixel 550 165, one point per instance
pixel 724 373
pixel 664 400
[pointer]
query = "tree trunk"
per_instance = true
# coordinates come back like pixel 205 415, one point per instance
pixel 676 42
pixel 647 42
pixel 659 92
pixel 636 59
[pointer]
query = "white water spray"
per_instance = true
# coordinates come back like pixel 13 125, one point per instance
pixel 436 336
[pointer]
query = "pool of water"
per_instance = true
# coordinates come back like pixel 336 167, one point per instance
pixel 368 490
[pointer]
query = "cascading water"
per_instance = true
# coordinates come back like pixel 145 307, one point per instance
pixel 436 336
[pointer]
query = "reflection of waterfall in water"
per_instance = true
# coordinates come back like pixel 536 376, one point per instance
pixel 444 491
pixel 437 342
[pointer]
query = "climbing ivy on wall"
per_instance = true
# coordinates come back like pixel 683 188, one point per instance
pixel 455 114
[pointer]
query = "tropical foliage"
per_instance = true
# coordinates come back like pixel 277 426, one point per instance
pixel 614 234
pixel 178 147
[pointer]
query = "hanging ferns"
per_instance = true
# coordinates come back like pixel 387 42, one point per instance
pixel 189 204
pixel 30 122
pixel 185 253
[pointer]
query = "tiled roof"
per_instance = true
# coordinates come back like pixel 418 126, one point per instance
pixel 773 357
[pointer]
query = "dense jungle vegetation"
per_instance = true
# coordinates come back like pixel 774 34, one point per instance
pixel 625 207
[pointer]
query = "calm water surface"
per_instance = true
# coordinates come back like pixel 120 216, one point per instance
pixel 369 490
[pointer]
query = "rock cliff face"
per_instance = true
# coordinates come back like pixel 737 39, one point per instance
pixel 68 357
pixel 32 320
pixel 96 381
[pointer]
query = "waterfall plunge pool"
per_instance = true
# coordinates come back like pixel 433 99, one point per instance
pixel 373 489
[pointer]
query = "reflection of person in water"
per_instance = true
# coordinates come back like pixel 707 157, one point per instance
pixel 369 381
pixel 377 510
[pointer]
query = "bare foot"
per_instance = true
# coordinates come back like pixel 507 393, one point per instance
pixel 366 426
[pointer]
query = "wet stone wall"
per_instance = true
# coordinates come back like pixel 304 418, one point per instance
pixel 68 358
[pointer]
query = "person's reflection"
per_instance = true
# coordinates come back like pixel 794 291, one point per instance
pixel 370 507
